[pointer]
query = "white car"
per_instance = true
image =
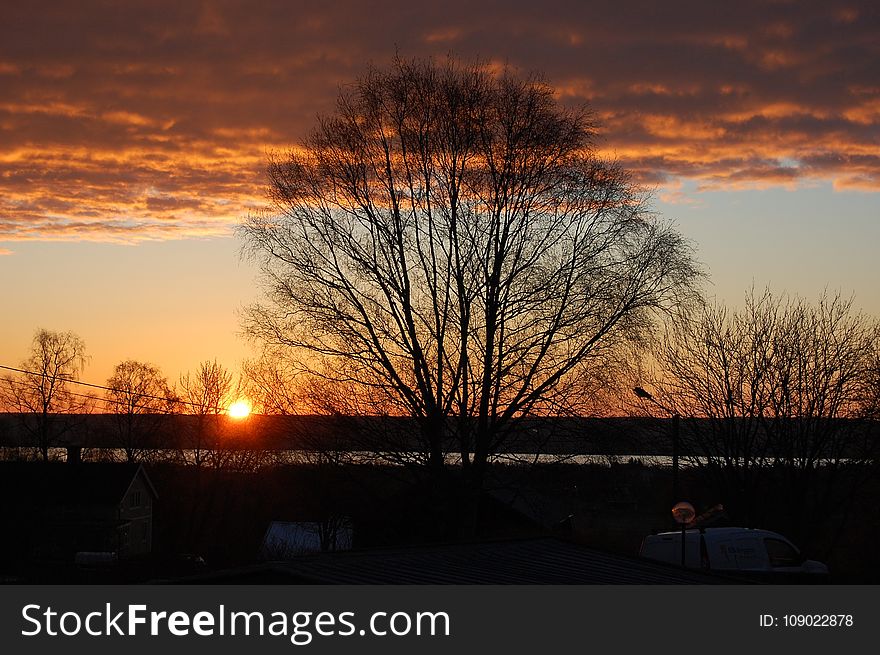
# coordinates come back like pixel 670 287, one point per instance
pixel 731 549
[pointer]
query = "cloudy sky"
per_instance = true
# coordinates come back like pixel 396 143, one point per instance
pixel 133 138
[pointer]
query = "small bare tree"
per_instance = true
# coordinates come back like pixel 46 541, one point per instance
pixel 871 399
pixel 448 240
pixel 273 384
pixel 780 383
pixel 823 364
pixel 279 387
pixel 207 395
pixel 141 399
pixel 42 395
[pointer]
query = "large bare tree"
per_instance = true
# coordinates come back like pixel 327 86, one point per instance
pixel 42 395
pixel 448 238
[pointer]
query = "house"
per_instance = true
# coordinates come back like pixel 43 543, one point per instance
pixel 51 511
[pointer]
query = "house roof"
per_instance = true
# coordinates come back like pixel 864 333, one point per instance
pixel 82 484
pixel 528 561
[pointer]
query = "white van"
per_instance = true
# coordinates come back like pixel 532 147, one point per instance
pixel 732 550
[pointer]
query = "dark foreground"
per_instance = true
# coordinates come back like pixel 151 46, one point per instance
pixel 209 521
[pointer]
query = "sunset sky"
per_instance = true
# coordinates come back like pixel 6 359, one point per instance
pixel 133 138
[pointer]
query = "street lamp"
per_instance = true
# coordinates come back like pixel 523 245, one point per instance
pixel 644 395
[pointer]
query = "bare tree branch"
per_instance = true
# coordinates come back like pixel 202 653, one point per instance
pixel 448 237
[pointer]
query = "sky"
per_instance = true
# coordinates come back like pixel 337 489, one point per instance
pixel 134 138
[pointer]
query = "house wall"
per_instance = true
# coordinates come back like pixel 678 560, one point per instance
pixel 136 538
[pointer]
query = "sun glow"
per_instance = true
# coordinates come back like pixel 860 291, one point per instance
pixel 240 409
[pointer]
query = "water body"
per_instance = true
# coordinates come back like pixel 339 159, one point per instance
pixel 264 458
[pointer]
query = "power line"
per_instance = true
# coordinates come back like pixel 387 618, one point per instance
pixel 100 399
pixel 180 401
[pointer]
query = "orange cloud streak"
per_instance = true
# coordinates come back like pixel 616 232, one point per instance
pixel 154 121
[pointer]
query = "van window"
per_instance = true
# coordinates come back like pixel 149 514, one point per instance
pixel 781 553
pixel 750 554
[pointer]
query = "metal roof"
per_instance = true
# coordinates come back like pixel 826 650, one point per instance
pixel 528 561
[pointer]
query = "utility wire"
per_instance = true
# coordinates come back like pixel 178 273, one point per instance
pixel 146 396
pixel 102 399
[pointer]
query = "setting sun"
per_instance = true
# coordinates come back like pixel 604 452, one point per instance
pixel 240 409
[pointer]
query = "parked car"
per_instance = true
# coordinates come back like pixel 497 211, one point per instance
pixel 756 553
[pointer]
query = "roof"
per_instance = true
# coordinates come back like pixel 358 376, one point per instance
pixel 542 560
pixel 722 532
pixel 82 484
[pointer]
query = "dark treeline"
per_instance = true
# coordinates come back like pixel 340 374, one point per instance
pixel 610 437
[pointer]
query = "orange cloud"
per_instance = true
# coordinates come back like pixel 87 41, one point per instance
pixel 152 120
pixel 444 35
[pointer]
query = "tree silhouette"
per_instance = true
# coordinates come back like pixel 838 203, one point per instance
pixel 272 383
pixel 42 396
pixel 207 395
pixel 781 382
pixel 140 398
pixel 448 239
